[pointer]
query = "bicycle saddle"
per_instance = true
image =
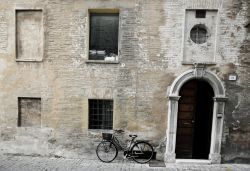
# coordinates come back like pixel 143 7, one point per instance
pixel 133 136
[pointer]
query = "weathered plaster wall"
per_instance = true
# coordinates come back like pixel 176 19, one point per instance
pixel 150 56
pixel 29 34
pixel 236 145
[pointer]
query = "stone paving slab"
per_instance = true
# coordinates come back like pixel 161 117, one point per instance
pixel 28 163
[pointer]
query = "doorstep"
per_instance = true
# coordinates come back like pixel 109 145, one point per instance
pixel 193 161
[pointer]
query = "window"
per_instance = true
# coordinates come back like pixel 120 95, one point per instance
pixel 29 112
pixel 198 34
pixel 100 114
pixel 103 43
pixel 248 27
pixel 200 14
pixel 29 35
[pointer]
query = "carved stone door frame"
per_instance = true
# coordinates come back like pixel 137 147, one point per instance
pixel 199 72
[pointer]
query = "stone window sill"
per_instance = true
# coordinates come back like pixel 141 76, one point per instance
pixel 29 60
pixel 192 63
pixel 101 62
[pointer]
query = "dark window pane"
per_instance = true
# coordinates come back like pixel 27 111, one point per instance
pixel 100 117
pixel 200 14
pixel 103 36
pixel 198 34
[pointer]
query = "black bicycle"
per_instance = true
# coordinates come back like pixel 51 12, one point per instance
pixel 139 151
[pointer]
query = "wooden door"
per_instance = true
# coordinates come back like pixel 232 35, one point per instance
pixel 194 123
pixel 186 121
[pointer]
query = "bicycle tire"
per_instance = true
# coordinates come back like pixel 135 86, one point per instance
pixel 142 152
pixel 104 149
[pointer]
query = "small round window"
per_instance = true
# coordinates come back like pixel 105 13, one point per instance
pixel 198 34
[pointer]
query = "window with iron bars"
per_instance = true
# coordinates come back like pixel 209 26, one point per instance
pixel 200 14
pixel 198 34
pixel 100 114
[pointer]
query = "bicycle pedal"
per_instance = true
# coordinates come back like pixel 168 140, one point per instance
pixel 127 156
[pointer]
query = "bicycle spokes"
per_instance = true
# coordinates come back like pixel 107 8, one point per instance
pixel 139 151
pixel 142 152
pixel 106 151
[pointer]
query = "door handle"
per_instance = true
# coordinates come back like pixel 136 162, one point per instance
pixel 188 123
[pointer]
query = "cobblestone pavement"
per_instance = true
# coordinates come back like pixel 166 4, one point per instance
pixel 27 163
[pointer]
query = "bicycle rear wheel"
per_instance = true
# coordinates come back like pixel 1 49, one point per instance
pixel 106 151
pixel 142 152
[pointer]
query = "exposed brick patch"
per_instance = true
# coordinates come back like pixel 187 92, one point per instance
pixel 29 112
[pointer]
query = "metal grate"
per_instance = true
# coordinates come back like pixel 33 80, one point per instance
pixel 200 14
pixel 198 34
pixel 100 114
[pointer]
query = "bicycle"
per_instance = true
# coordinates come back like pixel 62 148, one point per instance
pixel 140 151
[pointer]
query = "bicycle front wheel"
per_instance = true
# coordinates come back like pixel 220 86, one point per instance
pixel 106 151
pixel 142 152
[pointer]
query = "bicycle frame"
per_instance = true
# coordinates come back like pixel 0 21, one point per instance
pixel 134 149
pixel 118 145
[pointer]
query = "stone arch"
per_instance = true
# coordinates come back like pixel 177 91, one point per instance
pixel 199 72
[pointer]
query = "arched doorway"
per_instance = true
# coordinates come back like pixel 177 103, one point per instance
pixel 194 121
pixel 211 80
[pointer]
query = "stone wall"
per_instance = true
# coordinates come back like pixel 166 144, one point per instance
pixel 150 58
pixel 236 144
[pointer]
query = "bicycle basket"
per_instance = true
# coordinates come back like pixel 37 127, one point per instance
pixel 107 136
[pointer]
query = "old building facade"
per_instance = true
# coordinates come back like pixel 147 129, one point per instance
pixel 175 72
